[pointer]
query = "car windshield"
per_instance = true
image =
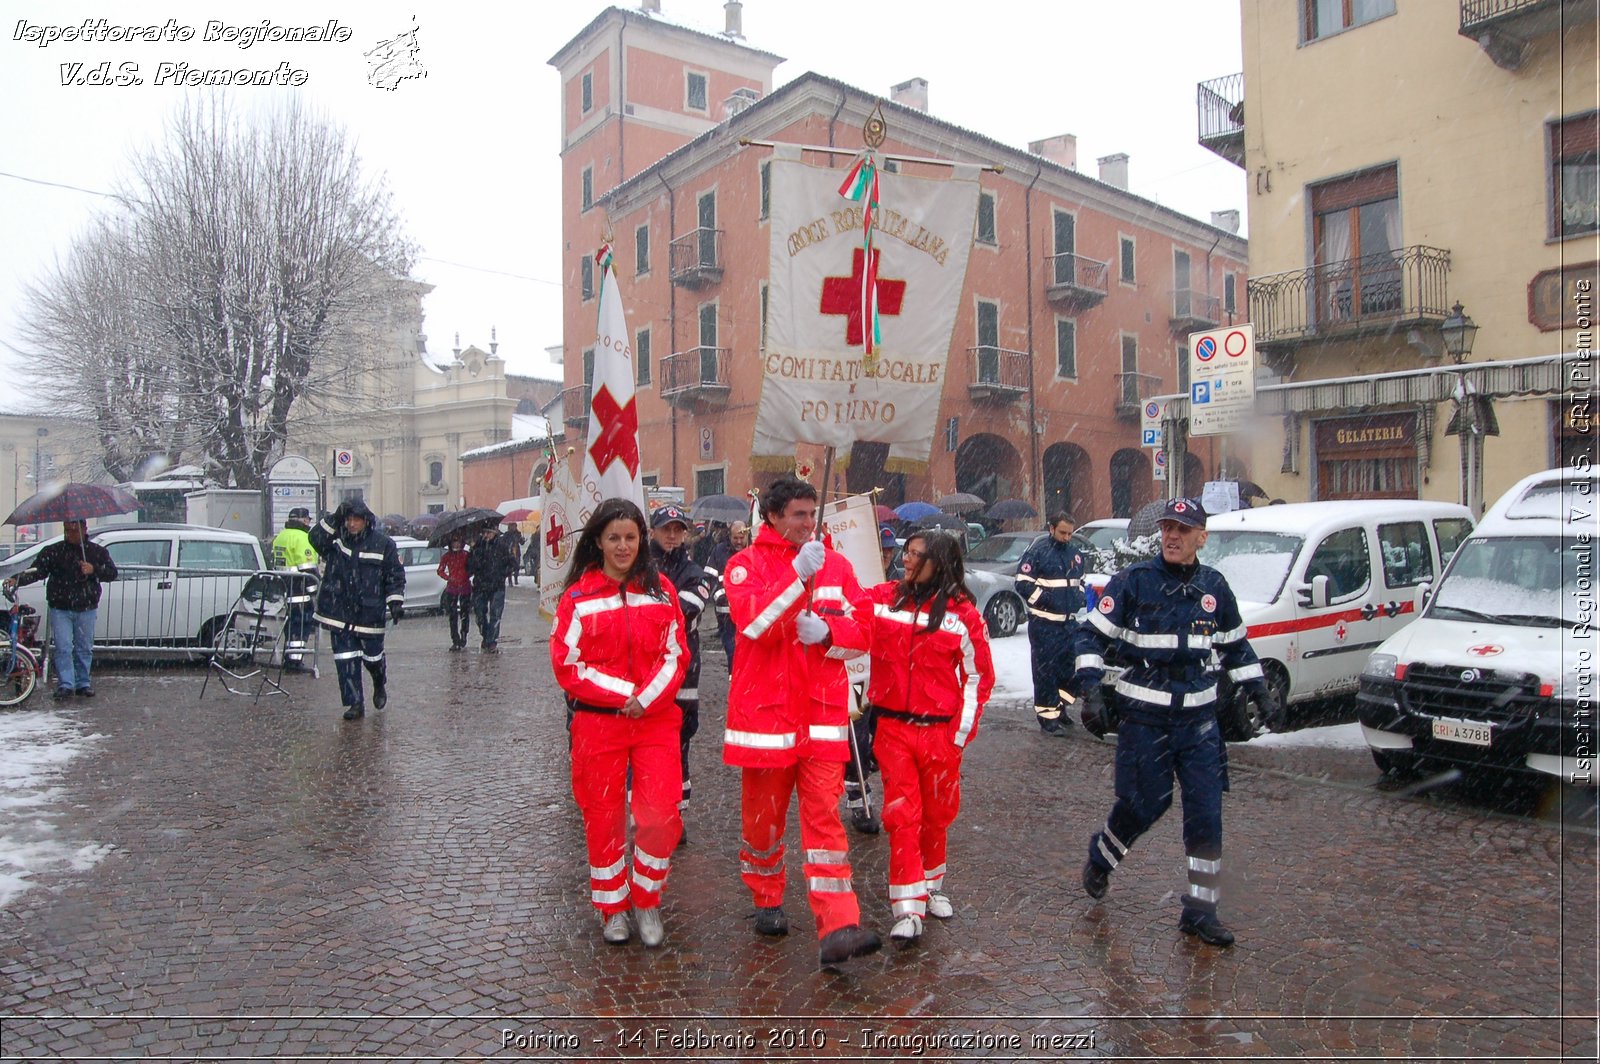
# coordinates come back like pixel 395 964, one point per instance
pixel 1101 537
pixel 1255 563
pixel 1000 549
pixel 1517 580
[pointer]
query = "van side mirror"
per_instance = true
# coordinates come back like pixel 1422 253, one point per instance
pixel 1315 596
pixel 1423 594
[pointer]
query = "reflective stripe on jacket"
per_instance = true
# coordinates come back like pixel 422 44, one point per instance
pixel 945 675
pixel 609 644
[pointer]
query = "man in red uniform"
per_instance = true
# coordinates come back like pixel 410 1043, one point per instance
pixel 788 713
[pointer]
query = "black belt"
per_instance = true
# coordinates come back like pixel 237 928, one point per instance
pixel 585 707
pixel 1177 673
pixel 912 718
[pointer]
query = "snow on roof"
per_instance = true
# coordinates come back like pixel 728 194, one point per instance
pixel 529 427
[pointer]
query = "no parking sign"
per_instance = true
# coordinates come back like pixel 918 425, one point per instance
pixel 1222 375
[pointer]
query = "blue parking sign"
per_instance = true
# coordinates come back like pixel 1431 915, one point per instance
pixel 1152 438
pixel 1200 392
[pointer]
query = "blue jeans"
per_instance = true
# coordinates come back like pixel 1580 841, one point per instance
pixel 489 607
pixel 72 632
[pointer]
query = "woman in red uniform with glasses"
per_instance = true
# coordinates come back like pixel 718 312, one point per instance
pixel 931 676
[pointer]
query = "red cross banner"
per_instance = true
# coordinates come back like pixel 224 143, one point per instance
pixel 558 529
pixel 611 455
pixel 818 383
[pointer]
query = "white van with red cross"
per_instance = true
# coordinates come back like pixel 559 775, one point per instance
pixel 1321 584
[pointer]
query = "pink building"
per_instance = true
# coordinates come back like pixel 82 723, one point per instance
pixel 1078 301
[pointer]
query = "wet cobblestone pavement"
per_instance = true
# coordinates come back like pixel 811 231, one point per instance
pixel 282 884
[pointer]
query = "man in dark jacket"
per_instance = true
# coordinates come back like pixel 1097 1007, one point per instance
pixel 362 577
pixel 489 565
pixel 669 529
pixel 1050 581
pixel 737 540
pixel 73 571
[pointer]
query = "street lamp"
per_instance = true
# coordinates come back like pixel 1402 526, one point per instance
pixel 1458 332
pixel 1473 417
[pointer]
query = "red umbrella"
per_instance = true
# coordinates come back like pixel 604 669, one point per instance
pixel 519 514
pixel 885 514
pixel 73 502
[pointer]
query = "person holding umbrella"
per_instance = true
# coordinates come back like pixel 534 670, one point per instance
pixel 73 571
pixel 362 577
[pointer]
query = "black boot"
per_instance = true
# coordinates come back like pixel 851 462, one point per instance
pixel 1206 927
pixel 380 694
pixel 355 712
pixel 848 942
pixel 1095 880
pixel 771 921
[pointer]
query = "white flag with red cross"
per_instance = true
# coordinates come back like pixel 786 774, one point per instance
pixel 611 454
pixel 558 527
pixel 819 383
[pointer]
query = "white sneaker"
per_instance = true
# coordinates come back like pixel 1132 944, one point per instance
pixel 907 929
pixel 651 933
pixel 616 930
pixel 939 906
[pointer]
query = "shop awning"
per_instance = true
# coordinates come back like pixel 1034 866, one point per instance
pixel 1545 375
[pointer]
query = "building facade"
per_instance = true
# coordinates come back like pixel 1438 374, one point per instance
pixel 1403 160
pixel 36 450
pixel 1078 300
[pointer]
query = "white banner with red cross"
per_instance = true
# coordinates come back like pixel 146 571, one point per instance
pixel 558 527
pixel 816 385
pixel 611 452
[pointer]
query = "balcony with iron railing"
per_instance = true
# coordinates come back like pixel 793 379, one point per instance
pixel 1074 282
pixel 1503 28
pixel 1220 106
pixel 1357 297
pixel 998 374
pixel 695 259
pixel 699 374
pixel 575 407
pixel 1132 390
pixel 1194 311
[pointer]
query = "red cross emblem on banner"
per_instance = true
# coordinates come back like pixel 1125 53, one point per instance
pixel 619 433
pixel 842 295
pixel 1340 631
pixel 552 538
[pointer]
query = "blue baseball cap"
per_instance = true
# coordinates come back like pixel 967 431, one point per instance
pixel 1184 512
pixel 885 536
pixel 665 515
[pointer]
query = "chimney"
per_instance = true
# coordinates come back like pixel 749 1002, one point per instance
pixel 734 26
pixel 652 7
pixel 1228 220
pixel 739 101
pixel 913 94
pixel 1061 150
pixel 494 342
pixel 1114 170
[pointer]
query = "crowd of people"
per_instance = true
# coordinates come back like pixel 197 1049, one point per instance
pixel 790 614
pixel 625 650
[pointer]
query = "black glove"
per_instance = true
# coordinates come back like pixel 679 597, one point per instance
pixel 397 612
pixel 1096 721
pixel 1269 711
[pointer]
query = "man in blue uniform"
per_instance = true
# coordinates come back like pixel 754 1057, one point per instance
pixel 1050 581
pixel 1166 616
pixel 362 579
pixel 669 534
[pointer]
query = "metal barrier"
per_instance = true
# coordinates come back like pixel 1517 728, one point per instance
pixel 159 612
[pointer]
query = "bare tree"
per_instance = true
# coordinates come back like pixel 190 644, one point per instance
pixel 253 266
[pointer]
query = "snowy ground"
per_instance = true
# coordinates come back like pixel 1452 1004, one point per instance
pixel 34 747
pixel 1014 681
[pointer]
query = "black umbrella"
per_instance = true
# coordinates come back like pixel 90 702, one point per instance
pixel 1010 510
pixel 73 502
pixel 462 523
pixel 948 522
pixel 724 508
pixel 393 524
pixel 1148 520
pixel 960 502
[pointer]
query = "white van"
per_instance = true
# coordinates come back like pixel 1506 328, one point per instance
pixel 175 585
pixel 1499 670
pixel 1321 584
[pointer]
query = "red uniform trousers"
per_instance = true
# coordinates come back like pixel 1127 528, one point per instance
pixel 604 747
pixel 765 804
pixel 921 768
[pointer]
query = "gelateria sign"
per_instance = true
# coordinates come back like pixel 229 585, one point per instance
pixel 816 387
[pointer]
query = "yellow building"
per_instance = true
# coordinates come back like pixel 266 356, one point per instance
pixel 1415 168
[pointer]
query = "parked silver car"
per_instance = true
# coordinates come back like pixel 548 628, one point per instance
pixel 424 585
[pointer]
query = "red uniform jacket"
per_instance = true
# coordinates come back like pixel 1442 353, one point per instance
pixel 607 645
pixel 944 675
pixel 788 700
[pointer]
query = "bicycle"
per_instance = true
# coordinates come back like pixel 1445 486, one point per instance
pixel 20 672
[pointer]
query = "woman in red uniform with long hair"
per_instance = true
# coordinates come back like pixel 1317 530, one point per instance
pixel 619 652
pixel 931 676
